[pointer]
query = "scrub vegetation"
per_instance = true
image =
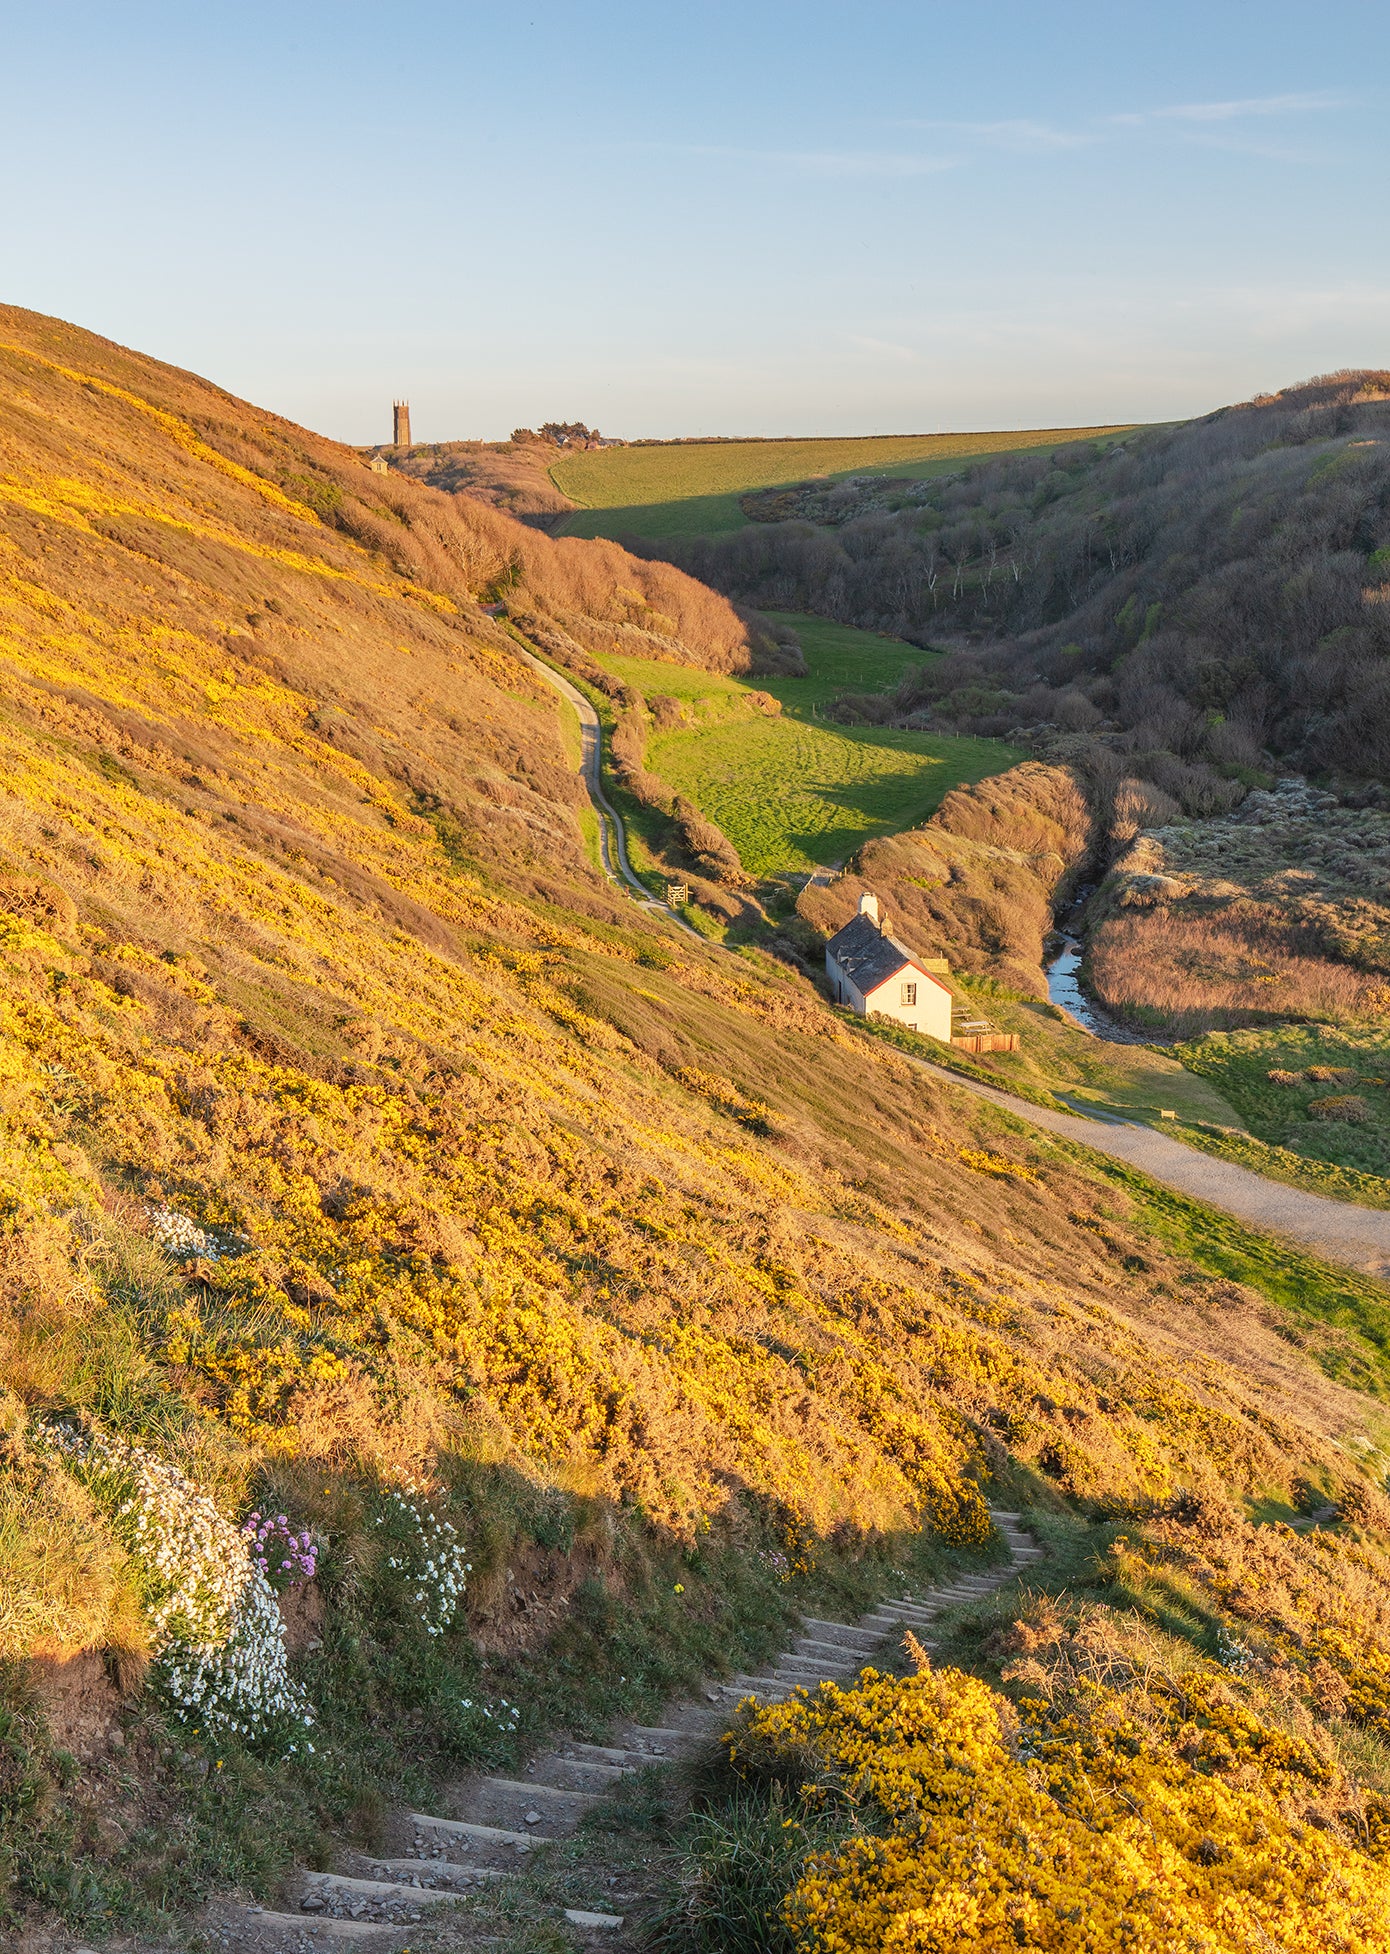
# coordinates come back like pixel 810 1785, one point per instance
pixel 579 1299
pixel 1206 602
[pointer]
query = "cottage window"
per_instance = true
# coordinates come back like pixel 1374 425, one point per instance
pixel 909 993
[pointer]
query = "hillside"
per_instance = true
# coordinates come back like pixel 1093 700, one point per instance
pixel 693 488
pixel 580 1299
pixel 1208 597
pixel 513 476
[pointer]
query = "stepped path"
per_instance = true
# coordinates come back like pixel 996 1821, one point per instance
pixel 487 1826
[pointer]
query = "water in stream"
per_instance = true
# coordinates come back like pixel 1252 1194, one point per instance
pixel 1064 989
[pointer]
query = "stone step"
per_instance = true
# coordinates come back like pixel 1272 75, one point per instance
pixel 552 1769
pixel 345 1886
pixel 326 1926
pixel 580 1917
pixel 811 1646
pixel 620 1754
pixel 523 1788
pixel 465 1828
pixel 455 1868
pixel 1002 1513
pixel 834 1630
pixel 810 1665
pixel 653 1733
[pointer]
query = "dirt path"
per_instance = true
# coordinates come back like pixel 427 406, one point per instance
pixel 1335 1230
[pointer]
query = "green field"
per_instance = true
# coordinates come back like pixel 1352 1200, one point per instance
pixel 797 792
pixel 691 488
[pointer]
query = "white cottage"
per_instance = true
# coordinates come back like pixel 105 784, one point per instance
pixel 869 970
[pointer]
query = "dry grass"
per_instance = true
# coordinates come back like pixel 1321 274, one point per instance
pixel 1186 972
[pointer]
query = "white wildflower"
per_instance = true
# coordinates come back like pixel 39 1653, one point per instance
pixel 430 1558
pixel 218 1637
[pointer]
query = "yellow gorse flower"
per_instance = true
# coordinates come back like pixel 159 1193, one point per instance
pixel 1075 1834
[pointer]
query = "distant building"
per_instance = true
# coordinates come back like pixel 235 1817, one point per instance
pixel 378 464
pixel 869 970
pixel 400 436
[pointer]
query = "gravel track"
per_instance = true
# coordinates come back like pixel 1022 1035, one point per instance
pixel 1337 1231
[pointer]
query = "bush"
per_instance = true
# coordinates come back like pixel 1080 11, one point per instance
pixel 1349 1106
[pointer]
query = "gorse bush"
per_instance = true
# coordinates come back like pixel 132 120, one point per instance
pixel 1058 1826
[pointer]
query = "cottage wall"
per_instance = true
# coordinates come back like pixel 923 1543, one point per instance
pixel 927 1009
pixel 929 1012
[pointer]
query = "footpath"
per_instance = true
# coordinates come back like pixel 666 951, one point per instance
pixel 487 1826
pixel 611 835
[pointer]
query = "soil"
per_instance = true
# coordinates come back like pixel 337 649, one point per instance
pixel 80 1702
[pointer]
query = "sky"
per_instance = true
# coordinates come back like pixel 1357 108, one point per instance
pixel 707 218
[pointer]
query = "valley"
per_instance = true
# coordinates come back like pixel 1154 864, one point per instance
pixel 792 790
pixel 597 1308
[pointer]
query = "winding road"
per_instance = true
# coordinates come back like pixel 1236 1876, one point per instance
pixel 611 838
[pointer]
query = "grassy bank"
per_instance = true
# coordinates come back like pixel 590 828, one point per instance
pixel 791 790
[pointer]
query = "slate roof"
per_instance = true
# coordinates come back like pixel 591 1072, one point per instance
pixel 869 957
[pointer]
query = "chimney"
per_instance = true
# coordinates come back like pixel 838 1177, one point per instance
pixel 400 434
pixel 868 906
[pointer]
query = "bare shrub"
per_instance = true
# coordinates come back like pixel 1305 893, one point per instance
pixel 1349 1106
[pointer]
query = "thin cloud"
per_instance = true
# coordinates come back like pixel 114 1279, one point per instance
pixel 1232 111
pixel 1015 135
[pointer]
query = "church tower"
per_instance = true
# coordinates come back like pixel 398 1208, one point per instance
pixel 401 435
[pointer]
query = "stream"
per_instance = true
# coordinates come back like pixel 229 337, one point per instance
pixel 1064 989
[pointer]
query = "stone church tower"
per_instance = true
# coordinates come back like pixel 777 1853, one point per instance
pixel 401 435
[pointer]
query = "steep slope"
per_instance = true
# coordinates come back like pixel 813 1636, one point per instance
pixel 980 882
pixel 365 1156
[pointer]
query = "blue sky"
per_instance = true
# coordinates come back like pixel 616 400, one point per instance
pixel 707 218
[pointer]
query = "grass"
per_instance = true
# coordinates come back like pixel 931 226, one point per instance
pixel 1238 1064
pixel 691 488
pixel 796 792
pixel 1312 1292
pixel 792 795
pixel 1060 1066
